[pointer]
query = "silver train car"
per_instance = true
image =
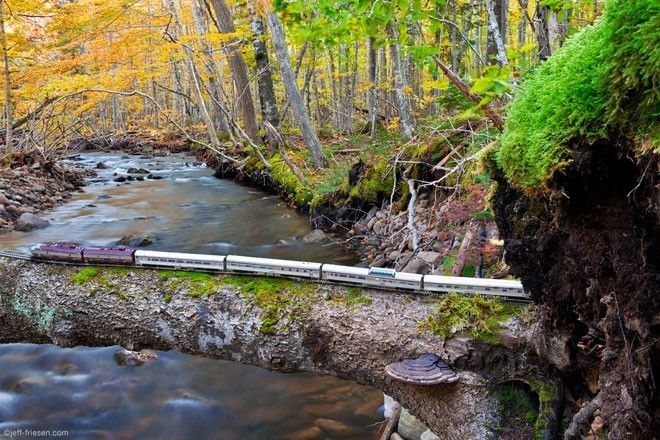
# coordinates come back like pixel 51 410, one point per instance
pixel 365 277
pixel 269 266
pixel 179 260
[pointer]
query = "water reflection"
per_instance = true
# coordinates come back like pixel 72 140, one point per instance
pixel 83 391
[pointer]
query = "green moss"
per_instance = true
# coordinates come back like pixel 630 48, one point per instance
pixel 375 182
pixel 202 284
pixel 548 393
pixel 602 80
pixel 476 316
pixel 516 408
pixel 85 275
pixel 448 264
pixel 469 270
pixel 353 297
pixel 277 297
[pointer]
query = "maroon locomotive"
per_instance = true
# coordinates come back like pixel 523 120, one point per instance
pixel 80 254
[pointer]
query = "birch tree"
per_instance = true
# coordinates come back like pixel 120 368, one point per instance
pixel 289 78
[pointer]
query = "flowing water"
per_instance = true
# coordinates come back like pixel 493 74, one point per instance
pixel 187 210
pixel 84 392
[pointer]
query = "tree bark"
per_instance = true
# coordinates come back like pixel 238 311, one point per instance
pixel 195 80
pixel 288 77
pixel 267 98
pixel 372 75
pixel 541 16
pixel 9 129
pixel 496 24
pixel 400 86
pixel 239 72
pixel 211 67
pixel 496 31
pixel 39 303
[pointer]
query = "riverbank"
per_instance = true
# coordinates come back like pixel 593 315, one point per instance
pixel 364 195
pixel 31 186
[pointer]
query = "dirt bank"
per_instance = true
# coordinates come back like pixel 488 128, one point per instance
pixel 587 251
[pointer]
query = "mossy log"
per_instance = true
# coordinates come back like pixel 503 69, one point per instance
pixel 329 332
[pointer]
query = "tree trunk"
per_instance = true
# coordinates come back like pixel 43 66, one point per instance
pixel 9 129
pixel 211 68
pixel 372 75
pixel 400 86
pixel 195 80
pixel 239 73
pixel 495 51
pixel 288 77
pixel 267 98
pixel 39 303
pixel 522 31
pixel 466 30
pixel 541 16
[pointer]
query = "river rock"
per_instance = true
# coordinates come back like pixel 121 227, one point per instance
pixel 134 358
pixel 316 236
pixel 13 210
pixel 119 179
pixel 336 428
pixel 28 222
pixel 409 427
pixel 136 240
pixel 423 262
pixel 101 166
pixel 311 433
pixel 137 171
pixel 4 200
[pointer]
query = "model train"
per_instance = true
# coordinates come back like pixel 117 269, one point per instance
pixel 368 277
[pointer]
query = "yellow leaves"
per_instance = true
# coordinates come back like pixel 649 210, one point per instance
pixel 441 83
pixel 217 39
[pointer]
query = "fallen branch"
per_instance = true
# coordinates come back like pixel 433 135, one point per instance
pixel 465 89
pixel 411 215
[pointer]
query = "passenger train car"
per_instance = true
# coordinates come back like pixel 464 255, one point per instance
pixel 367 277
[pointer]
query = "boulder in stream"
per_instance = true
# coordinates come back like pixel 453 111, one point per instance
pixel 128 358
pixel 316 236
pixel 133 240
pixel 28 222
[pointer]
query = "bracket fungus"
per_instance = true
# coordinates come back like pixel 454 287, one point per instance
pixel 427 369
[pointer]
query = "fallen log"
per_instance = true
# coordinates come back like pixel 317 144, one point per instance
pixel 141 309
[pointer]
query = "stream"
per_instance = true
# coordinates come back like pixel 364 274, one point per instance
pixel 183 207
